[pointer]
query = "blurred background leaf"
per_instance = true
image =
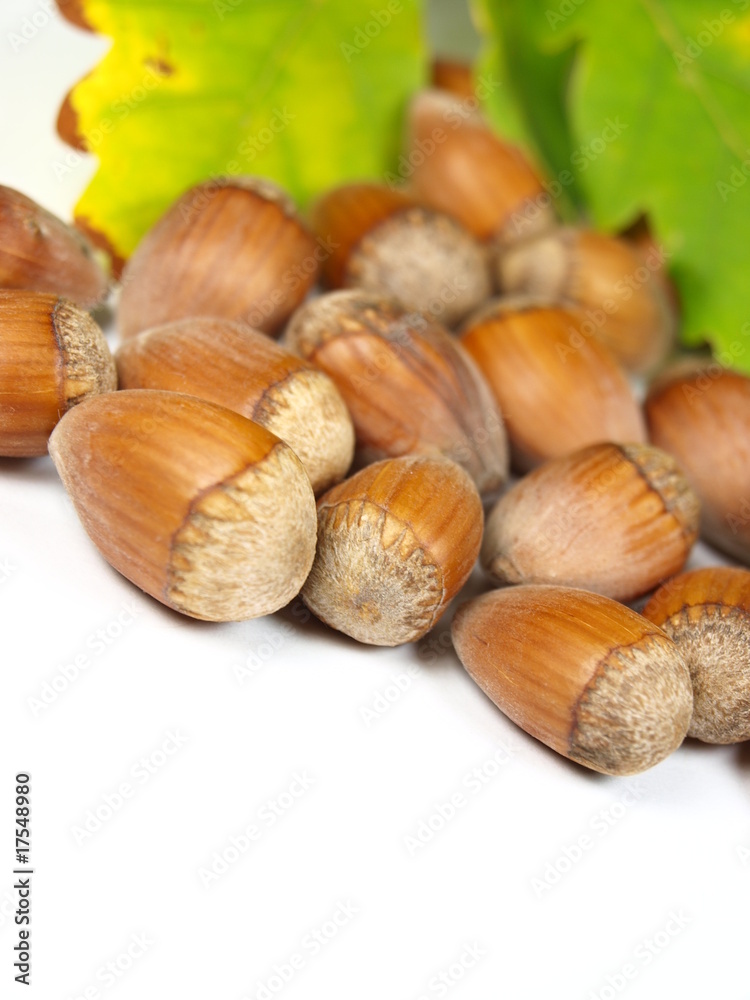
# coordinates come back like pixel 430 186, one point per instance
pixel 635 108
pixel 647 103
pixel 307 92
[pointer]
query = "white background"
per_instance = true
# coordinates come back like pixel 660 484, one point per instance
pixel 661 888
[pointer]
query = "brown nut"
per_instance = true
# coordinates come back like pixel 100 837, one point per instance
pixel 471 173
pixel 557 388
pixel 592 679
pixel 702 417
pixel 641 237
pixel 396 543
pixel 615 519
pixel 454 76
pixel 52 355
pixel 200 507
pixel 40 253
pixel 386 243
pixel 607 278
pixel 233 248
pixel 706 612
pixel 408 384
pixel 245 371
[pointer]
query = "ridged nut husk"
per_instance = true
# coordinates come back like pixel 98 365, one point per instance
pixel 203 509
pixel 386 243
pixel 409 386
pixel 706 613
pixel 702 417
pixel 246 371
pixel 396 543
pixel 52 356
pixel 587 676
pixel 556 385
pixel 607 278
pixel 40 253
pixel 615 519
pixel 233 248
pixel 456 164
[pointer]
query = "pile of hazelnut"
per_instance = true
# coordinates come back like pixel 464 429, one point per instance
pixel 197 479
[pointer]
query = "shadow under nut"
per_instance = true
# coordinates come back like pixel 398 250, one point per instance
pixel 587 676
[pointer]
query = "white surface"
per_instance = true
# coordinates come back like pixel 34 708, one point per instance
pixel 256 704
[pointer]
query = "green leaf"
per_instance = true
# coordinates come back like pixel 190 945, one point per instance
pixel 657 106
pixel 534 70
pixel 306 92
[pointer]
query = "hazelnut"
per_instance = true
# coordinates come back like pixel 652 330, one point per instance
pixel 641 237
pixel 234 248
pixel 472 174
pixel 244 370
pixel 40 253
pixel 203 509
pixel 557 388
pixel 386 243
pixel 607 279
pixel 409 386
pixel 616 519
pixel 592 679
pixel 52 355
pixel 702 417
pixel 706 612
pixel 455 77
pixel 396 543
